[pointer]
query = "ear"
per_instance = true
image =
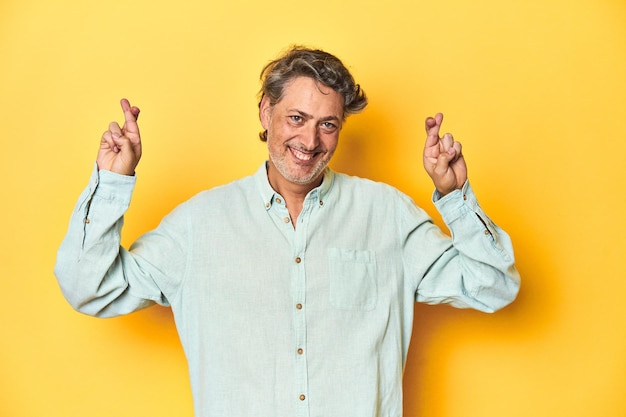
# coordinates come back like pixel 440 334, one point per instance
pixel 265 112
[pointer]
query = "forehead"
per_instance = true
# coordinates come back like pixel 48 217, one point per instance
pixel 305 93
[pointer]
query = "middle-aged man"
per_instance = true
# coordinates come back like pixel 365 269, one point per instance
pixel 293 288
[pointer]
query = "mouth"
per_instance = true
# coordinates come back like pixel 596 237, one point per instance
pixel 303 156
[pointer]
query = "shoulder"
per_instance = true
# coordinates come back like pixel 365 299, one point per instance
pixel 352 184
pixel 240 188
pixel 368 195
pixel 219 198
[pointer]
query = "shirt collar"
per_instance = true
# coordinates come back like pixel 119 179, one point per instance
pixel 268 194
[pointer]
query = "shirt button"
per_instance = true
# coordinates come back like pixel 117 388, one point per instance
pixel 321 203
pixel 487 232
pixel 267 205
pixel 298 260
pixel 300 351
pixel 464 197
pixel 302 397
pixel 278 200
pixel 87 220
pixel 286 219
pixel 299 306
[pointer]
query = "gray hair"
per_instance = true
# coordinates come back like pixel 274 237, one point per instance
pixel 300 61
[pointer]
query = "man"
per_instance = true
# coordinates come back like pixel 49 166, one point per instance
pixel 292 289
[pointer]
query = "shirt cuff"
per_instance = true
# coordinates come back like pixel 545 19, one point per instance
pixel 109 185
pixel 456 204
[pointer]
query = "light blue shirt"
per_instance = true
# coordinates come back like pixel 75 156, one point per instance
pixel 280 321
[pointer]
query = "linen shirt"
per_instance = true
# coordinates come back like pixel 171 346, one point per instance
pixel 275 320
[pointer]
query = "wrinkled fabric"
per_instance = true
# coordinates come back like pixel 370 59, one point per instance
pixel 276 320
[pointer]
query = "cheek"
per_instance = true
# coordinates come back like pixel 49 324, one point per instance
pixel 330 142
pixel 284 132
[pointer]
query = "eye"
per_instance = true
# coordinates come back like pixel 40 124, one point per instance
pixel 329 126
pixel 296 118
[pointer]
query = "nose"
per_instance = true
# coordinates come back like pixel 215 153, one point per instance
pixel 311 137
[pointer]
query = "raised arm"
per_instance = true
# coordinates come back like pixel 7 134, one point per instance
pixel 478 271
pixel 97 275
pixel 120 147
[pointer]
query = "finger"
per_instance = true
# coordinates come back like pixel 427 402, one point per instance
pixel 454 153
pixel 131 113
pixel 443 163
pixel 108 142
pixel 135 112
pixel 433 125
pixel 451 154
pixel 447 141
pixel 432 122
pixel 133 109
pixel 115 129
pixel 457 149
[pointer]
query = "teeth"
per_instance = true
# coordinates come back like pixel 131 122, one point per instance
pixel 301 155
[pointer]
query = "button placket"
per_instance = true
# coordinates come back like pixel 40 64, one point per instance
pixel 299 312
pixel 301 370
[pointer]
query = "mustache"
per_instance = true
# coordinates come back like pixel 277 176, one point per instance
pixel 300 147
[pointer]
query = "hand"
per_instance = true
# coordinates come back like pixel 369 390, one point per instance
pixel 120 148
pixel 443 159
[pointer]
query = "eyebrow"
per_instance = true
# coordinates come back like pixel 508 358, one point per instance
pixel 309 116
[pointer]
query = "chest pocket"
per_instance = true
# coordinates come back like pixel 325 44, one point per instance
pixel 352 276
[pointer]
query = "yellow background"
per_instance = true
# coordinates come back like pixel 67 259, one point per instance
pixel 534 89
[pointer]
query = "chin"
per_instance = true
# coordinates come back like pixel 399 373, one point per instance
pixel 307 178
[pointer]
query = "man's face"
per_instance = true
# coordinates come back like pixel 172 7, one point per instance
pixel 302 132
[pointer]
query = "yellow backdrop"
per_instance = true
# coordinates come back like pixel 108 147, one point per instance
pixel 534 89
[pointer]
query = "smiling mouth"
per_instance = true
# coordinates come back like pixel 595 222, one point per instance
pixel 302 155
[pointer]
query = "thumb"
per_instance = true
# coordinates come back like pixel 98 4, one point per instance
pixel 444 159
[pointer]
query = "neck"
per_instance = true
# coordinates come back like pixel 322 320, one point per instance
pixel 293 193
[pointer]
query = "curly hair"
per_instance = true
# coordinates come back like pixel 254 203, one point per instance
pixel 300 61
